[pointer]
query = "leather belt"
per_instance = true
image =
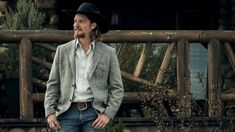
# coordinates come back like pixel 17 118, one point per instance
pixel 81 105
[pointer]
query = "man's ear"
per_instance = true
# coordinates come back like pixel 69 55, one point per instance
pixel 93 25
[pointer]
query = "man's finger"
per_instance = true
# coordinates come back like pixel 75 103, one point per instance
pixel 98 125
pixel 53 126
pixel 59 127
pixel 96 121
pixel 103 126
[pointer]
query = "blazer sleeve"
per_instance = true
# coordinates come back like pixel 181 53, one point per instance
pixel 115 89
pixel 53 84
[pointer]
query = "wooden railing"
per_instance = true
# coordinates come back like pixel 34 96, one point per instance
pixel 214 40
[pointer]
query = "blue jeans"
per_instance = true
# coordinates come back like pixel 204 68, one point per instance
pixel 74 120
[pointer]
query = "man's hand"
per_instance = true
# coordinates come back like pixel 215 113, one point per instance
pixel 53 123
pixel 101 121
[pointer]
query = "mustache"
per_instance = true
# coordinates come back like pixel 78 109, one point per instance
pixel 76 28
pixel 79 35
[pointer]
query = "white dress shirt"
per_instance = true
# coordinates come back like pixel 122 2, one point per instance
pixel 83 62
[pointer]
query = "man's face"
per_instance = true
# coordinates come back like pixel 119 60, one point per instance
pixel 82 26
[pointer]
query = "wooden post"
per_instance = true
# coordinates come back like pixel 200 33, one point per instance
pixel 183 78
pixel 165 63
pixel 214 89
pixel 25 79
pixel 163 68
pixel 142 59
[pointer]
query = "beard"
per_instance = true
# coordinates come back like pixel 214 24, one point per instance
pixel 78 34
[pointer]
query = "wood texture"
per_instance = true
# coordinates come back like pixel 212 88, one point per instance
pixel 183 78
pixel 214 90
pixel 25 78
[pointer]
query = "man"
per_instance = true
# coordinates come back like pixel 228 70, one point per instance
pixel 85 89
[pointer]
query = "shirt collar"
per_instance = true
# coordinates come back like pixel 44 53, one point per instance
pixel 92 45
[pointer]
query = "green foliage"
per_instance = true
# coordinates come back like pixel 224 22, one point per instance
pixel 26 16
pixel 115 127
pixel 162 109
pixel 155 103
pixel 153 62
pixel 130 58
pixel 128 61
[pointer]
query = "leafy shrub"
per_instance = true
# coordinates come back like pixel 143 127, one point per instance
pixel 26 16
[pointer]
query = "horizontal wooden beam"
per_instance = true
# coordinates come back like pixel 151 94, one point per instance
pixel 132 36
pixel 47 46
pixel 228 96
pixel 132 78
pixel 39 83
pixel 146 36
pixel 41 62
pixel 230 90
pixel 170 93
pixel 129 97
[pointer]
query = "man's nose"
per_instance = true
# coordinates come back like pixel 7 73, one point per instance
pixel 76 24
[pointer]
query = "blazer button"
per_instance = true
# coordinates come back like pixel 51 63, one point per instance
pixel 73 84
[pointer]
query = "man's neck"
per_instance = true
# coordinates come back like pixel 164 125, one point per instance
pixel 85 43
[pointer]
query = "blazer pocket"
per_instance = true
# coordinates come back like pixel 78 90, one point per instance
pixel 102 67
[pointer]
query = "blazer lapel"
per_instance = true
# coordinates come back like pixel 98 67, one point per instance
pixel 71 55
pixel 96 57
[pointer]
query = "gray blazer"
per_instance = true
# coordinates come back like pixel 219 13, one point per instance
pixel 104 78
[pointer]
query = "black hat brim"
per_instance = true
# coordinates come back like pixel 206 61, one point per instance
pixel 99 18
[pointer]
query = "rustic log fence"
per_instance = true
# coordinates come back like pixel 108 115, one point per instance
pixel 180 40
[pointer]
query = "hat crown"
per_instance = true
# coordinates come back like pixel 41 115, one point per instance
pixel 88 8
pixel 93 13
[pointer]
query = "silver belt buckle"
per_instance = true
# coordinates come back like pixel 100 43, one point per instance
pixel 81 109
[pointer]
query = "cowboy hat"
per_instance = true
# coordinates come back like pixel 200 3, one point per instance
pixel 93 13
